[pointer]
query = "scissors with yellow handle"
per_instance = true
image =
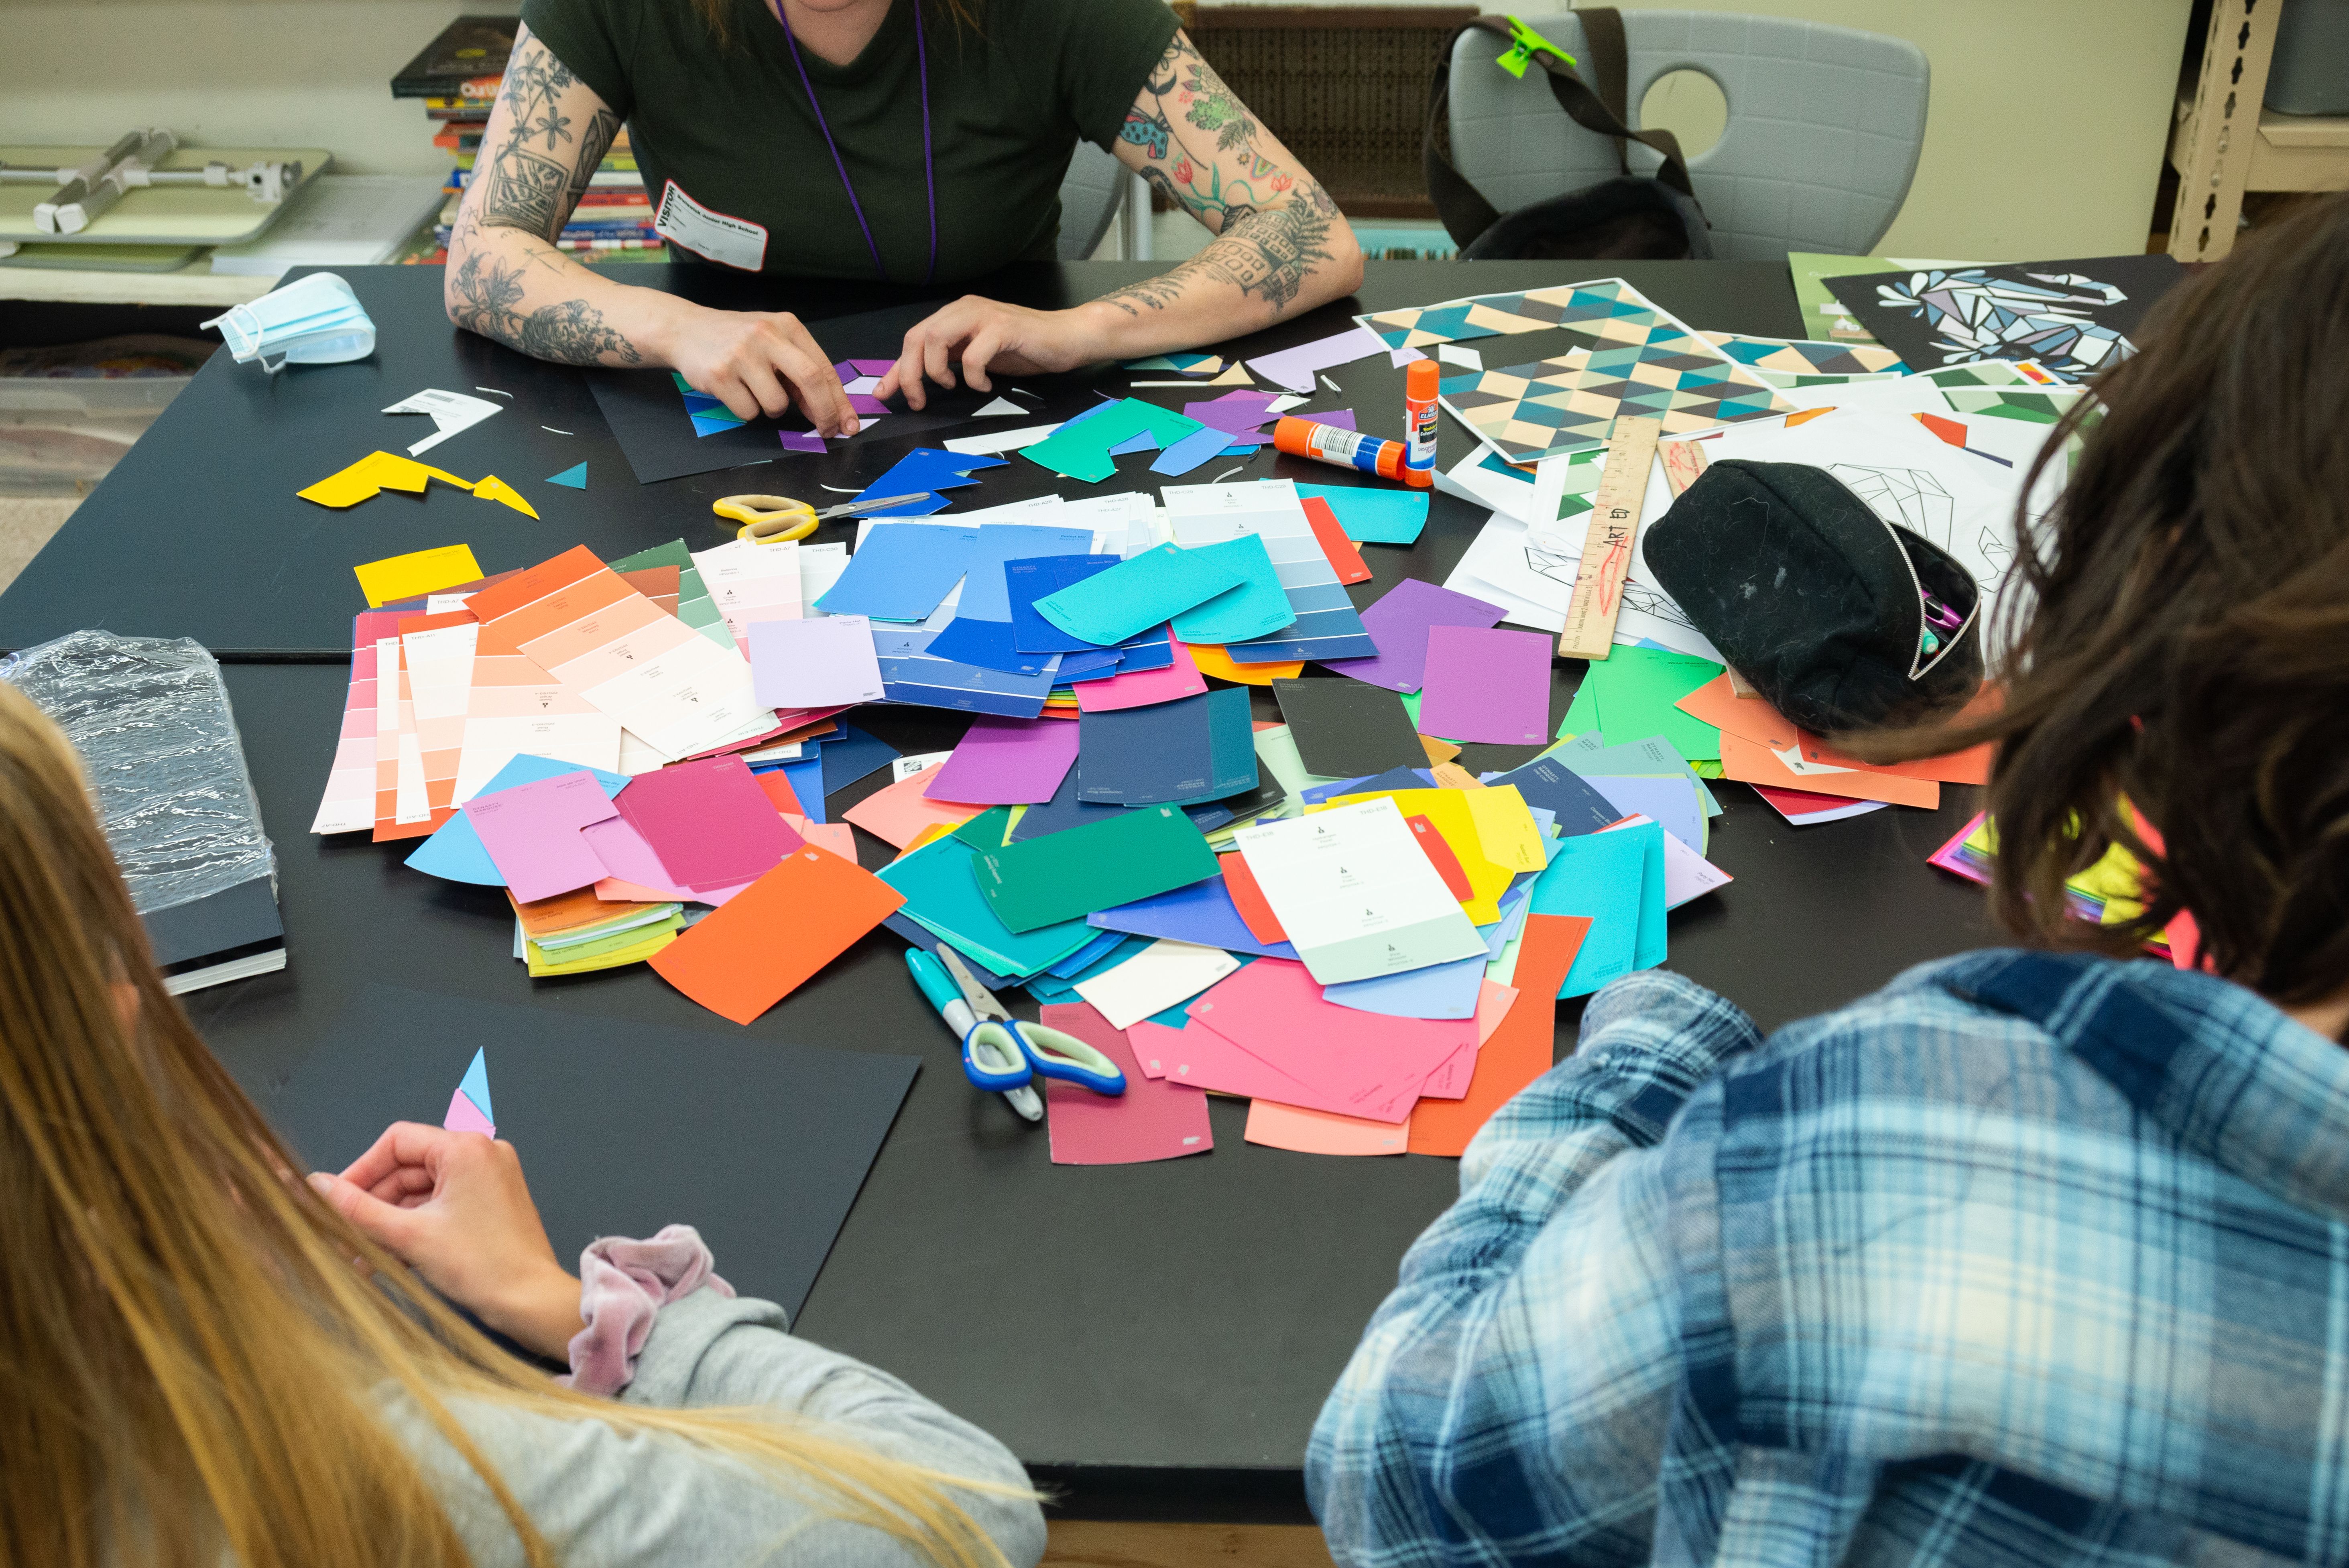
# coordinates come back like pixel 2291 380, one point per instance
pixel 772 519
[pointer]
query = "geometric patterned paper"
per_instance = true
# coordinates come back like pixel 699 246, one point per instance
pixel 1586 307
pixel 1805 357
pixel 1646 363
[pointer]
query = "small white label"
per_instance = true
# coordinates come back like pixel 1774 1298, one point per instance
pixel 903 767
pixel 734 242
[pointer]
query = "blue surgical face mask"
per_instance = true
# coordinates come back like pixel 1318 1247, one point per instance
pixel 317 321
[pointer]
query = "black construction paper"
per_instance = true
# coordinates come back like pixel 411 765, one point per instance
pixel 623 1127
pixel 1910 331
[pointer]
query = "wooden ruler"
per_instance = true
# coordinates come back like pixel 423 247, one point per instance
pixel 1684 461
pixel 1607 547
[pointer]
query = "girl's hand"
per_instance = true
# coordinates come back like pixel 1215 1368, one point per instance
pixel 453 1206
pixel 984 335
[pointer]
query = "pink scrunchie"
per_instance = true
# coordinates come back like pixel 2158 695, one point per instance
pixel 623 1285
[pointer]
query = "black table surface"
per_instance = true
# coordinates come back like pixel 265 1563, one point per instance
pixel 198 532
pixel 1155 1339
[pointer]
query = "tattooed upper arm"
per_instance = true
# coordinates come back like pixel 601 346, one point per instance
pixel 1194 142
pixel 547 133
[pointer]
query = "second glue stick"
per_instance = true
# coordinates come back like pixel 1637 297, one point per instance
pixel 1346 449
pixel 1419 423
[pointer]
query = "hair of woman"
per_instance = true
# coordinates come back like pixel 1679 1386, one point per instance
pixel 190 1364
pixel 2179 631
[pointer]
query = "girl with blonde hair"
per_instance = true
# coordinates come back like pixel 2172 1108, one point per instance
pixel 193 1372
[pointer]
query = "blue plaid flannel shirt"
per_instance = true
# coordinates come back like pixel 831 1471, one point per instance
pixel 2026 1258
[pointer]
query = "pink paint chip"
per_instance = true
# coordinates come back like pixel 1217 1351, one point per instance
pixel 1153 1119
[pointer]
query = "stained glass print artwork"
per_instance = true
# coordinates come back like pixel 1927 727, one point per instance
pixel 1643 361
pixel 1805 356
pixel 2073 318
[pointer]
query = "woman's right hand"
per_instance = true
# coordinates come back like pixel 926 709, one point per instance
pixel 453 1206
pixel 757 362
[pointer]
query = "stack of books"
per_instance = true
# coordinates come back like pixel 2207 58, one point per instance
pixel 458 76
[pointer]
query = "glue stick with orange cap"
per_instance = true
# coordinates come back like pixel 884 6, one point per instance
pixel 1345 449
pixel 1419 423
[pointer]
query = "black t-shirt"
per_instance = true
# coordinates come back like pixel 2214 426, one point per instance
pixel 735 161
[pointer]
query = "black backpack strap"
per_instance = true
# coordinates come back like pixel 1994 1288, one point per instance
pixel 1462 208
pixel 1611 69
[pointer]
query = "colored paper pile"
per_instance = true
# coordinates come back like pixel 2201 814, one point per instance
pixel 1326 915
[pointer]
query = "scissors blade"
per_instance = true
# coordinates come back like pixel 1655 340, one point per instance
pixel 850 509
pixel 983 1004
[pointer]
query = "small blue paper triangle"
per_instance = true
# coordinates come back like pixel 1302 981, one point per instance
pixel 704 425
pixel 476 1085
pixel 575 476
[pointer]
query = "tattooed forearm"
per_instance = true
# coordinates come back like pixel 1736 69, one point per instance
pixel 1268 253
pixel 486 296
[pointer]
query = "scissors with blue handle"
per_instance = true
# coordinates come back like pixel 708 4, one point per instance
pixel 1000 1053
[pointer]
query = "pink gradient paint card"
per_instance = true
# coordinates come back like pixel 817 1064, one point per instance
pixel 533 834
pixel 708 822
pixel 1365 1061
pixel 1197 1056
pixel 1153 1119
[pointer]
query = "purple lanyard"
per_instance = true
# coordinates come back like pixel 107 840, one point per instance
pixel 929 168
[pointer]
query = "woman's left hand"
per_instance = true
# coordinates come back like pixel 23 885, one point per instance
pixel 982 335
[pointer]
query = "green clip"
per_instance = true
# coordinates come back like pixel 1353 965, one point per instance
pixel 1520 53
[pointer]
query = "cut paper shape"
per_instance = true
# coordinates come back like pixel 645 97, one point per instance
pixel 1080 450
pixel 1190 452
pixel 497 490
pixel 926 469
pixel 573 478
pixel 1344 729
pixel 1153 1119
pixel 802 440
pixel 416 573
pixel 771 938
pixel 533 834
pixel 1468 357
pixel 1749 763
pixel 1007 762
pixel 1487 684
pixel 377 472
pixel 1163 975
pixel 1515 1052
pixel 1806 808
pixel 1330 535
pixel 1064 877
pixel 1371 515
pixel 1303 1132
pixel 824 663
pixel 1296 368
pixel 452 413
pixel 1137 594
pixel 997 410
pixel 469 1106
pixel 901 571
pixel 1256 608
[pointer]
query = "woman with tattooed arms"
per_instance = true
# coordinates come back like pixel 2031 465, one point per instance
pixel 919 141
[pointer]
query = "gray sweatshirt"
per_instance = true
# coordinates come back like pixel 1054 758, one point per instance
pixel 604 1499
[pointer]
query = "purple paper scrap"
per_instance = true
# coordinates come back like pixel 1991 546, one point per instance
pixel 1397 623
pixel 1007 762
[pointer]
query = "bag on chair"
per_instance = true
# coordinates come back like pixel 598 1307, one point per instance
pixel 1630 217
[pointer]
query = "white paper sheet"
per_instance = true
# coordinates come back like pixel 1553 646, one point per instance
pixel 1355 894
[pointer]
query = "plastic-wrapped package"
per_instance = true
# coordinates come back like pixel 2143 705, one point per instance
pixel 158 744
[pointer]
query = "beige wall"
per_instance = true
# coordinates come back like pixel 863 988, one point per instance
pixel 2044 139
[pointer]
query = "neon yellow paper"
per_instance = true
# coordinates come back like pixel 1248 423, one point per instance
pixel 419 573
pixel 497 490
